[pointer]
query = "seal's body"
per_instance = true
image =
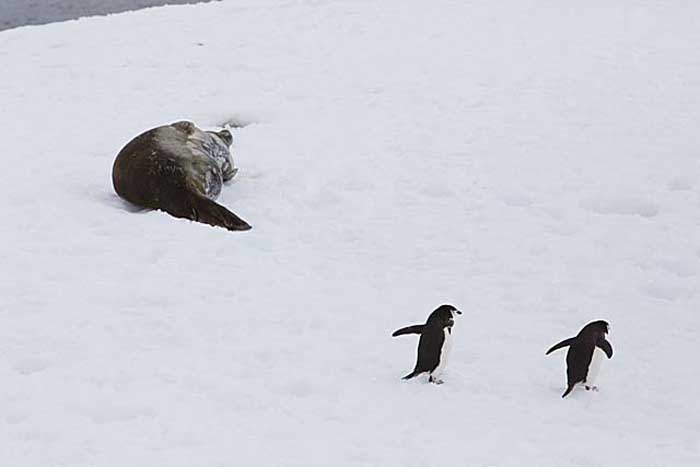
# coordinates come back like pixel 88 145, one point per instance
pixel 435 342
pixel 178 169
pixel 586 352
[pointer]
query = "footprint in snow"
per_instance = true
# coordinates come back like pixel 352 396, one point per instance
pixel 516 199
pixel 664 290
pixel 621 206
pixel 115 414
pixel 31 365
pixel 682 183
pixel 15 417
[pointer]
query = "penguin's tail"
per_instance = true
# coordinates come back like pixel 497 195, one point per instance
pixel 569 388
pixel 412 374
pixel 415 329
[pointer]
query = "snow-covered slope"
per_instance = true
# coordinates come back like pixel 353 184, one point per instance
pixel 535 164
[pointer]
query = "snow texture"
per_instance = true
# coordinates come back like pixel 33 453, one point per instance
pixel 533 163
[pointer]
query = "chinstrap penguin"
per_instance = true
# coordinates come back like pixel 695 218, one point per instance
pixel 435 342
pixel 585 355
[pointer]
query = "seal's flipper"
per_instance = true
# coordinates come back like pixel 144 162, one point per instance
pixel 562 344
pixel 226 136
pixel 228 176
pixel 605 346
pixel 212 213
pixel 201 209
pixel 415 329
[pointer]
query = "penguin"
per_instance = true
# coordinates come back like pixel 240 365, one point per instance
pixel 434 344
pixel 585 355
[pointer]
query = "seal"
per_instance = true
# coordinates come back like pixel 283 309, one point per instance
pixel 178 169
pixel 585 353
pixel 435 342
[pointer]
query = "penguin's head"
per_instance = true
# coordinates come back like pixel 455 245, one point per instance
pixel 597 327
pixel 444 316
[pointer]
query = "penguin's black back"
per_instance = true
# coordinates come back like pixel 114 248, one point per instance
pixel 429 349
pixel 578 359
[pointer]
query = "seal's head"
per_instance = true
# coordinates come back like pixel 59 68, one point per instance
pixel 219 149
pixel 215 144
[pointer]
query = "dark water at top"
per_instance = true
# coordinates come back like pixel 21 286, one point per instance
pixel 14 13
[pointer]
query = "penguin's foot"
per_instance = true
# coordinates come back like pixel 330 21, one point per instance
pixel 592 388
pixel 435 380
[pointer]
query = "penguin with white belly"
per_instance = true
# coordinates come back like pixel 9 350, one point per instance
pixel 585 354
pixel 435 342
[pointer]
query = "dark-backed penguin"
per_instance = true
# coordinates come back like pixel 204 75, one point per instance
pixel 585 355
pixel 435 342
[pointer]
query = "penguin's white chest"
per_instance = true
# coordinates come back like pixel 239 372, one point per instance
pixel 444 353
pixel 594 367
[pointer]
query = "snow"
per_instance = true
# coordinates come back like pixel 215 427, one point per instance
pixel 533 163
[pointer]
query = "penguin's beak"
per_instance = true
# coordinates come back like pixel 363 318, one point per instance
pixel 458 312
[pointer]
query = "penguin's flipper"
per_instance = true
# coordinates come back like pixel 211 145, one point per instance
pixel 605 346
pixel 562 344
pixel 569 388
pixel 415 329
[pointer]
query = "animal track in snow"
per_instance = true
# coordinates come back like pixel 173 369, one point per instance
pixel 679 267
pixel 31 365
pixel 300 388
pixel 620 205
pixel 664 290
pixel 112 414
pixel 516 199
pixel 682 183
pixel 15 417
